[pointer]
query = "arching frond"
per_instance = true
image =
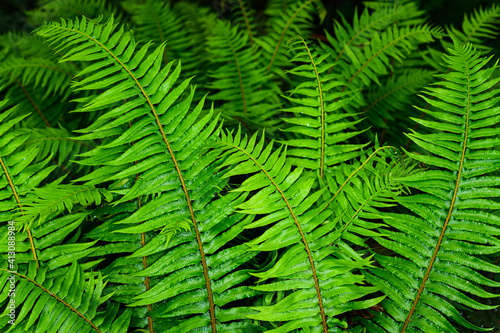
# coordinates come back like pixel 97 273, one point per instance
pixel 318 282
pixel 238 79
pixel 441 243
pixel 480 25
pixel 66 303
pixel 158 152
pixel 318 120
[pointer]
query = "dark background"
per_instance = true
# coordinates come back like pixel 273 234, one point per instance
pixel 442 12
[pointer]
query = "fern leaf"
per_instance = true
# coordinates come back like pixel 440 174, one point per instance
pixel 480 25
pixel 312 274
pixel 66 303
pixel 450 228
pixel 59 199
pixel 317 119
pixel 159 152
pixel 239 82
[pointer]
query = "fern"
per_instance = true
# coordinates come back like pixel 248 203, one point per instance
pixel 446 235
pixel 135 206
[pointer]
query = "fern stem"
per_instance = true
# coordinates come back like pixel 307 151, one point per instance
pixel 247 23
pixel 16 195
pixel 354 173
pixel 452 206
pixel 40 113
pixel 322 105
pixel 177 168
pixel 56 297
pixel 302 235
pixel 283 33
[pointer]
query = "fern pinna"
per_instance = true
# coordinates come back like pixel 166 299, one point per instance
pixel 248 172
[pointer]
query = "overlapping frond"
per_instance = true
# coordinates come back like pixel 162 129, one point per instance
pixel 441 243
pixel 482 24
pixel 317 280
pixel 285 21
pixel 320 125
pixel 66 303
pixel 18 174
pixel 157 21
pixel 366 25
pixel 153 140
pixel 238 79
pixel 358 195
pixel 367 63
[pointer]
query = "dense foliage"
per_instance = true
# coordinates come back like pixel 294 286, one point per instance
pixel 170 168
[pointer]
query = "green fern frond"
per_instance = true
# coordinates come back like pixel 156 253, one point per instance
pixel 67 303
pixel 56 199
pixel 373 60
pixel 451 227
pixel 283 23
pixel 239 80
pixel 158 151
pixel 37 72
pixel 365 26
pixel 482 24
pixel 318 122
pixel 318 282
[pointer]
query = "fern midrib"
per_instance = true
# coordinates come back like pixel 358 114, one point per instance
pixel 322 106
pixel 356 36
pixel 240 78
pixel 247 23
pixel 283 33
pixel 81 315
pixel 379 52
pixel 384 96
pixel 40 113
pixel 16 195
pixel 353 174
pixel 452 205
pixel 177 168
pixel 302 235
